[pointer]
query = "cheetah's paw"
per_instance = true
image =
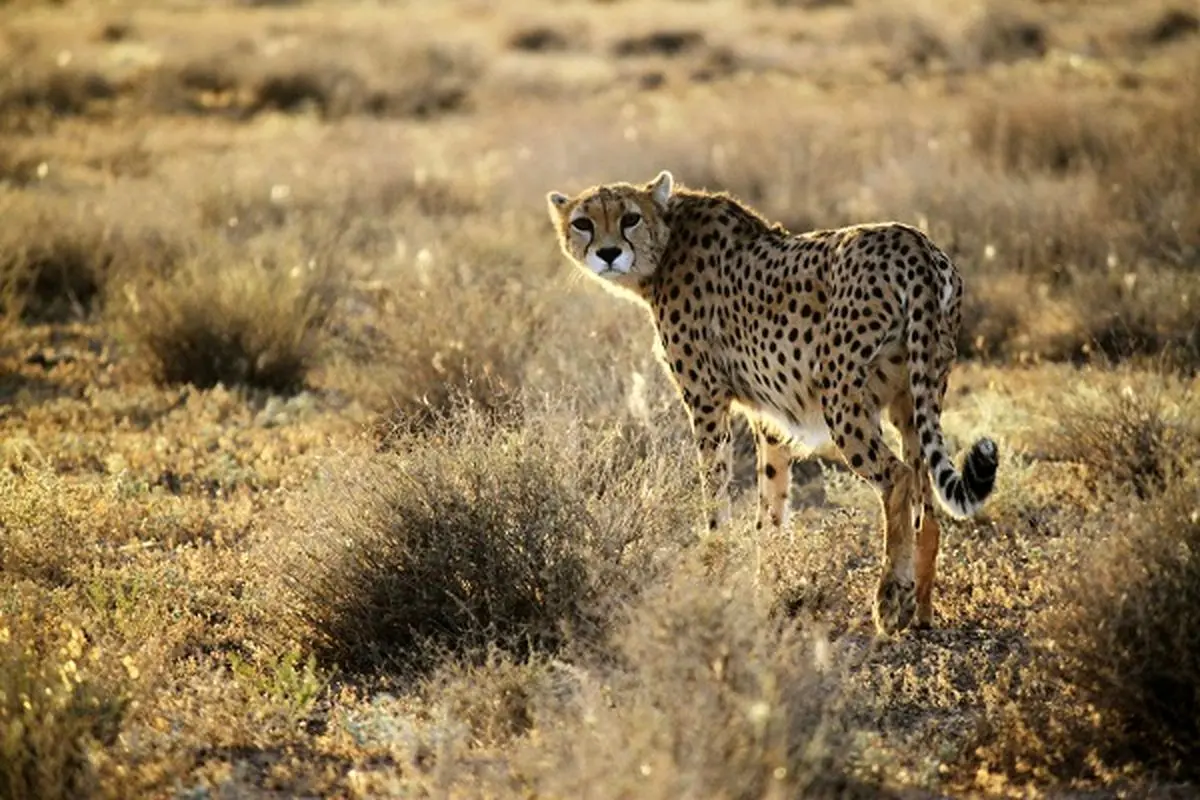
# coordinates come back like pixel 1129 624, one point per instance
pixel 895 604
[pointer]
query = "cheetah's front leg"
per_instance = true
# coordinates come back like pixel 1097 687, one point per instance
pixel 710 426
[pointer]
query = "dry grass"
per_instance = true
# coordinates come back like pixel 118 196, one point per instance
pixel 1005 32
pixel 1045 133
pixel 433 366
pixel 1127 273
pixel 322 475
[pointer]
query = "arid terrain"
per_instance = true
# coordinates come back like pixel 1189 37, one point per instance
pixel 323 475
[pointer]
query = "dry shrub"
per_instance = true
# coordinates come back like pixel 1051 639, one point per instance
pixel 539 39
pixel 1004 33
pixel 243 212
pixel 914 42
pixel 992 316
pixel 57 256
pixel 1040 131
pixel 225 318
pixel 474 536
pixel 19 162
pixel 41 541
pixel 420 82
pixel 916 46
pixel 1145 312
pixel 1155 185
pixel 1171 25
pixel 355 209
pixel 1113 689
pixel 1145 155
pixel 801 3
pixel 54 265
pixel 485 276
pixel 33 94
pixel 1124 259
pixel 51 713
pixel 116 30
pixel 1128 639
pixel 497 699
pixel 1140 438
pixel 334 79
pixel 661 43
pixel 707 696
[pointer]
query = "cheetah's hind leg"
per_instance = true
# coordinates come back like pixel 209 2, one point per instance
pixel 774 459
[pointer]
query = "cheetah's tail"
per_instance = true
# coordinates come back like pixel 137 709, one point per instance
pixel 962 493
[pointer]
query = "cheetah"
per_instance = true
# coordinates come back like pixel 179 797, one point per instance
pixel 813 337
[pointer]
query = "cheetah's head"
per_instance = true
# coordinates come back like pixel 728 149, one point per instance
pixel 615 232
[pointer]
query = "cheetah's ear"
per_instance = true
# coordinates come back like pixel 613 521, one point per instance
pixel 660 188
pixel 556 201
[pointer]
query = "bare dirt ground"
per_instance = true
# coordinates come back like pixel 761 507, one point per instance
pixel 321 474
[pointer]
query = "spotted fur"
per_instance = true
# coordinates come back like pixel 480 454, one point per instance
pixel 814 337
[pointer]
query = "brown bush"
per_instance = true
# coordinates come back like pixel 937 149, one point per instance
pixel 1005 33
pixel 57 256
pixel 539 39
pixel 249 323
pixel 1125 264
pixel 1112 689
pixel 435 360
pixel 662 43
pixel 1171 25
pixel 1147 313
pixel 1128 640
pixel 420 81
pixel 42 543
pixel 1046 132
pixel 1138 439
pixel 1156 184
pixel 55 264
pixel 1143 153
pixel 472 537
pixel 33 96
pixel 707 697
pixel 801 3
pixel 18 163
pixel 497 699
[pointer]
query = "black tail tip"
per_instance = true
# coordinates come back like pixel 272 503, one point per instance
pixel 979 468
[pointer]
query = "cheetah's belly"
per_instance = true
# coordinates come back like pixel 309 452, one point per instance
pixel 807 430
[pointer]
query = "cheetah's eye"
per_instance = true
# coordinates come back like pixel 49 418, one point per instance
pixel 582 224
pixel 631 219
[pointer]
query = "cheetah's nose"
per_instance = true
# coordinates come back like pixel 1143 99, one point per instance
pixel 609 254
